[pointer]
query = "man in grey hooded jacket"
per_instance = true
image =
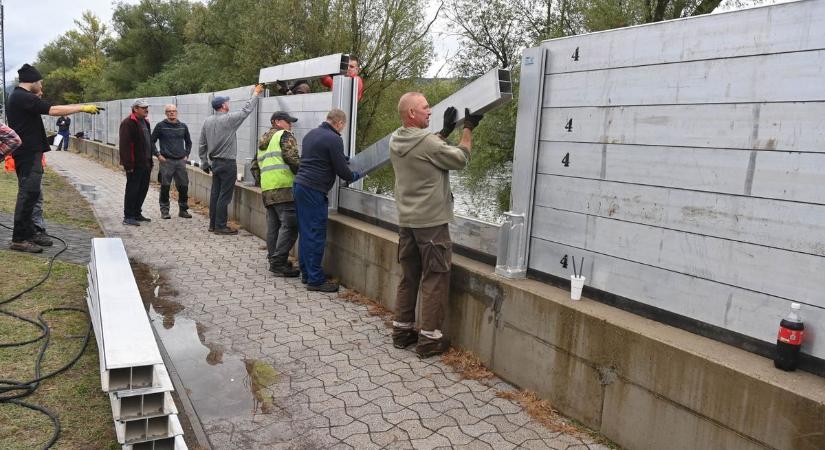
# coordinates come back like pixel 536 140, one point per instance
pixel 422 161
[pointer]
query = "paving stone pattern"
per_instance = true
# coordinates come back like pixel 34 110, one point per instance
pixel 78 241
pixel 340 384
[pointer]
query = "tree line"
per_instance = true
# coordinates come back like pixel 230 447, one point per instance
pixel 175 47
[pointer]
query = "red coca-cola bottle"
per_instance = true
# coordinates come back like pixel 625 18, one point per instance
pixel 789 341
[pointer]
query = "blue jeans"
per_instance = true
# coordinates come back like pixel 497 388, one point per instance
pixel 64 144
pixel 312 231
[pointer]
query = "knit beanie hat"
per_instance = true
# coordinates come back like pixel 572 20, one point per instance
pixel 28 74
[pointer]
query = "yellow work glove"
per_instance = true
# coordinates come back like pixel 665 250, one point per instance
pixel 91 109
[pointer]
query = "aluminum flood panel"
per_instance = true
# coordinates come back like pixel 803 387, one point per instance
pixel 471 233
pixel 484 94
pixel 309 109
pixel 308 68
pixel 127 336
pixel 193 109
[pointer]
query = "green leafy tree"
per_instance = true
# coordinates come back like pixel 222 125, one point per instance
pixel 73 64
pixel 150 33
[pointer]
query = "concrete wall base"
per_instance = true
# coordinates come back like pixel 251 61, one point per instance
pixel 645 385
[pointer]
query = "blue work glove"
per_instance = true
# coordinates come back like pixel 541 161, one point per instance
pixel 355 176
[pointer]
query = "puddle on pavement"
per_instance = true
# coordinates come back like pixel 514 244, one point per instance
pixel 220 386
pixel 87 190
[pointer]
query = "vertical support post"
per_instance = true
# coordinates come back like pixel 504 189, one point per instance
pixel 344 94
pixel 514 235
pixel 248 179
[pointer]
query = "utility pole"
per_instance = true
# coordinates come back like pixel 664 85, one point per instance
pixel 3 58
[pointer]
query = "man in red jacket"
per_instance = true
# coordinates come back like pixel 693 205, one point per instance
pixel 352 71
pixel 136 159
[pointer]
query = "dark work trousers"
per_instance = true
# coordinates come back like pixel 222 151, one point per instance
pixel 224 173
pixel 137 185
pixel 312 228
pixel 173 169
pixel 29 177
pixel 281 232
pixel 64 144
pixel 425 255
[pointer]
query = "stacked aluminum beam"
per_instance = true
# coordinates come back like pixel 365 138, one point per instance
pixel 131 368
pixel 308 68
pixel 482 95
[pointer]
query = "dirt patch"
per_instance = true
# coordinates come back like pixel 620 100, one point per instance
pixel 467 364
pixel 374 308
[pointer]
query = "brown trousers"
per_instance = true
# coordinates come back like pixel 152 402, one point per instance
pixel 425 255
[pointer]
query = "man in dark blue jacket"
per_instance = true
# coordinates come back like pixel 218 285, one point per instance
pixel 322 159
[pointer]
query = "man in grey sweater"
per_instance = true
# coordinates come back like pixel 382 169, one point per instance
pixel 218 149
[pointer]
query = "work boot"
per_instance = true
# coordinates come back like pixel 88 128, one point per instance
pixel 142 218
pixel 165 215
pixel 131 222
pixel 26 246
pixel 431 347
pixel 323 287
pixel 185 214
pixel 226 230
pixel 284 270
pixel 403 337
pixel 42 240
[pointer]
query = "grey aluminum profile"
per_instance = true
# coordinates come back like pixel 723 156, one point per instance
pixel 172 443
pixel 145 402
pixel 486 93
pixel 148 429
pixel 309 68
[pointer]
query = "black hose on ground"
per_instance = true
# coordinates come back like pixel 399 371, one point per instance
pixel 12 391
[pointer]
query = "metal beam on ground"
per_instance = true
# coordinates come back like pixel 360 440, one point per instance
pixel 309 68
pixel 486 93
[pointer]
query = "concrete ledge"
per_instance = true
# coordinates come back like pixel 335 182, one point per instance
pixel 643 384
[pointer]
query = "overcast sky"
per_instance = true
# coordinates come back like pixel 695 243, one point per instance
pixel 31 24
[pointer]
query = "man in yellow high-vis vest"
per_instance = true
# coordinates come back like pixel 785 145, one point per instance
pixel 274 170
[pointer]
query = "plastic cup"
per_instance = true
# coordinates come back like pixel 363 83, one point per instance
pixel 576 285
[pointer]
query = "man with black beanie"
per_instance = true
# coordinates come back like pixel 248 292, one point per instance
pixel 24 108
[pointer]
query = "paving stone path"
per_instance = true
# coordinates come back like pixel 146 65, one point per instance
pixel 339 382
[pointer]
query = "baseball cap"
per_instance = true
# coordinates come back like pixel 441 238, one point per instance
pixel 140 103
pixel 282 115
pixel 218 101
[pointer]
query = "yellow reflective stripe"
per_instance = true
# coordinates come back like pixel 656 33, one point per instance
pixel 269 155
pixel 275 167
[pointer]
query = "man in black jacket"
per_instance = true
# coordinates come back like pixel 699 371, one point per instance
pixel 175 146
pixel 24 108
pixel 136 158
pixel 322 159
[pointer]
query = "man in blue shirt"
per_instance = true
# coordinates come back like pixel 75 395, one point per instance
pixel 322 159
